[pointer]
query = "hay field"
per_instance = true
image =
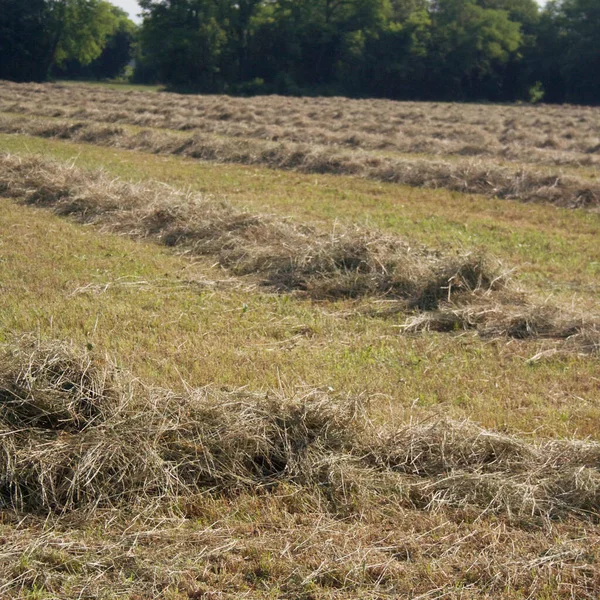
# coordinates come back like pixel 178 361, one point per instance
pixel 526 153
pixel 297 348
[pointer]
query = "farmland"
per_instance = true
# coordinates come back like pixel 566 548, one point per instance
pixel 297 348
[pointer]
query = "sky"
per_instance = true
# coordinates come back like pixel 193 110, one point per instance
pixel 130 6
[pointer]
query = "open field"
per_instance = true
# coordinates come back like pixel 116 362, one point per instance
pixel 546 135
pixel 496 151
pixel 220 379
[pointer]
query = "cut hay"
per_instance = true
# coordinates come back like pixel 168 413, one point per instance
pixel 449 293
pixel 474 176
pixel 542 135
pixel 141 444
pixel 517 320
pixel 343 263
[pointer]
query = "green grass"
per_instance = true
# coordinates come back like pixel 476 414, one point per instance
pixel 176 321
pixel 168 330
pixel 153 311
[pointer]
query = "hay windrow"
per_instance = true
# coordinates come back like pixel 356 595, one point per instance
pixel 518 320
pixel 546 135
pixel 146 443
pixel 444 292
pixel 343 263
pixel 475 176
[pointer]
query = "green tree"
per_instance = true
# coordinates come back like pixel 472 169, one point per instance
pixel 578 25
pixel 182 41
pixel 241 20
pixel 398 57
pixel 117 53
pixel 326 37
pixel 470 43
pixel 40 33
pixel 118 50
pixel 566 58
pixel 24 40
pixel 81 29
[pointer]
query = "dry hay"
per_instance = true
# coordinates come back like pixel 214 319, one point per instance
pixel 551 135
pixel 472 176
pixel 249 545
pixel 519 320
pixel 455 292
pixel 345 262
pixel 76 432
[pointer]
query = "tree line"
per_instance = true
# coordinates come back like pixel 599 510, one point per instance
pixel 496 50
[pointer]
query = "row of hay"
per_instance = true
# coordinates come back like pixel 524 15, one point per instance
pixel 554 135
pixel 457 292
pixel 344 262
pixel 434 139
pixel 77 432
pixel 474 176
pixel 517 320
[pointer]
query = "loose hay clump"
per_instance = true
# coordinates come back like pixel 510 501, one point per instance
pixel 75 432
pixel 516 319
pixel 51 387
pixel 443 447
pixel 62 436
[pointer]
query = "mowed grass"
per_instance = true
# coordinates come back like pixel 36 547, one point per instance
pixel 175 321
pixel 543 134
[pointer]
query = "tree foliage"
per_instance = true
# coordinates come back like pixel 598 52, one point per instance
pixel 397 48
pixel 569 51
pixel 499 50
pixel 38 34
pixel 25 39
pixel 117 53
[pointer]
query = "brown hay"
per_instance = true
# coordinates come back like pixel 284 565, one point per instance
pixel 472 177
pixel 457 292
pixel 519 320
pixel 54 389
pixel 146 443
pixel 345 263
pixel 525 134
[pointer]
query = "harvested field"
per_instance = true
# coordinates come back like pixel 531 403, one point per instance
pixel 234 363
pixel 432 163
pixel 79 435
pixel 288 256
pixel 545 134
pixel 456 292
